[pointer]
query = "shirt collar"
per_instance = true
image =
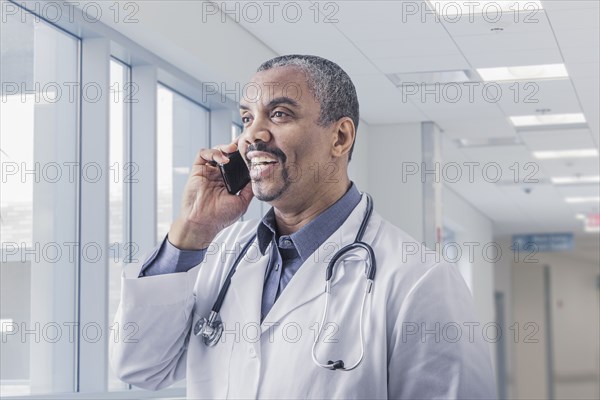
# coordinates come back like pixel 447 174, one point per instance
pixel 312 235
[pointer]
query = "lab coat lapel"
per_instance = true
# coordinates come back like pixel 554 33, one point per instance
pixel 247 285
pixel 308 282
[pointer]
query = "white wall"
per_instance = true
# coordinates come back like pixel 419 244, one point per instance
pixel 389 146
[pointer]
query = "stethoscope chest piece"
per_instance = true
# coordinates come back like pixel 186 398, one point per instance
pixel 210 331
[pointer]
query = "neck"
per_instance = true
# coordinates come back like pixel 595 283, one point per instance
pixel 290 221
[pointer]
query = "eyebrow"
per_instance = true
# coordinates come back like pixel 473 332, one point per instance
pixel 275 102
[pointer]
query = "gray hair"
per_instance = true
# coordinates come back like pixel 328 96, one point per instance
pixel 328 82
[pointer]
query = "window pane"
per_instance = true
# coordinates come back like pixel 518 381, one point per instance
pixel 118 223
pixel 182 130
pixel 38 142
pixel 236 130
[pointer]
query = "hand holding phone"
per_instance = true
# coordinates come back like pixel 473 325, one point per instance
pixel 208 205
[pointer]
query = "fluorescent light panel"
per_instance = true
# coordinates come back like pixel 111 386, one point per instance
pixel 465 8
pixel 489 142
pixel 547 119
pixel 429 77
pixel 579 200
pixel 556 154
pixel 569 180
pixel 544 71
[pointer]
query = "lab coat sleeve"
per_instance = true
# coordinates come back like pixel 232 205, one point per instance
pixel 434 350
pixel 153 325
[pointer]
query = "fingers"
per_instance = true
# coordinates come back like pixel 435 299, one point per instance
pixel 229 148
pixel 216 155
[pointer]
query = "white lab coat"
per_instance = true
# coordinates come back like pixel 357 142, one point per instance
pixel 410 325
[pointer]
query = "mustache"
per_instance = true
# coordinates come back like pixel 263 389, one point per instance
pixel 260 146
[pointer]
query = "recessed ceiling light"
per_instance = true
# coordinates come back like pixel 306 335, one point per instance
pixel 453 8
pixel 578 200
pixel 545 71
pixel 570 180
pixel 547 119
pixel 489 142
pixel 429 77
pixel 554 154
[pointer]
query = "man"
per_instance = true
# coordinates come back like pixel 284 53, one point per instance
pixel 299 128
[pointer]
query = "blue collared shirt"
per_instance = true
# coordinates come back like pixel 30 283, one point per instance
pixel 288 252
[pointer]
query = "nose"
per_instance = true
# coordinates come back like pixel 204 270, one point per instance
pixel 257 130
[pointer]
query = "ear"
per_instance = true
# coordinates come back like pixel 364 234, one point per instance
pixel 343 137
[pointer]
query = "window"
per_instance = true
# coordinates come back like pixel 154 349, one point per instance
pixel 39 206
pixel 182 130
pixel 61 174
pixel 236 130
pixel 120 172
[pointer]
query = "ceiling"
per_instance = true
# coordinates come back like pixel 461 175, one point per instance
pixel 370 39
pixel 373 38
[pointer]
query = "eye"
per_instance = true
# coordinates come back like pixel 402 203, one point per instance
pixel 279 114
pixel 245 119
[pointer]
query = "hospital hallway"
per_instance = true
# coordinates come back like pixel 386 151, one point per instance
pixel 478 136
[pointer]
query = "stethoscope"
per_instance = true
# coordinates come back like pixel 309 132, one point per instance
pixel 211 329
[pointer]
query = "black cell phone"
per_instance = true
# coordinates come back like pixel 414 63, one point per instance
pixel 235 173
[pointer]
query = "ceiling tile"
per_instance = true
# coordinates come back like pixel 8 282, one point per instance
pixel 356 66
pixel 381 12
pixel 476 128
pixel 504 155
pixel 592 190
pixel 585 17
pixel 558 139
pixel 505 42
pixel 582 166
pixel 508 21
pixel 588 91
pixel 491 59
pixel 580 55
pixel 584 70
pixel 525 97
pixel 571 5
pixel 449 102
pixel 415 47
pixel 382 103
pixel 433 62
pixel 575 38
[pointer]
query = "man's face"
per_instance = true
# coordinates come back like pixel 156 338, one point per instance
pixel 285 148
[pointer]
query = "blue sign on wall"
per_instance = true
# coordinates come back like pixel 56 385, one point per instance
pixel 543 242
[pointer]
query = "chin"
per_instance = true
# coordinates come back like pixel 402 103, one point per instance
pixel 269 191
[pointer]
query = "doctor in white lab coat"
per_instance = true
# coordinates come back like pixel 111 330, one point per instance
pixel 421 337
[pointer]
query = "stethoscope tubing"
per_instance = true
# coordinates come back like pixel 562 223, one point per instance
pixel 330 364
